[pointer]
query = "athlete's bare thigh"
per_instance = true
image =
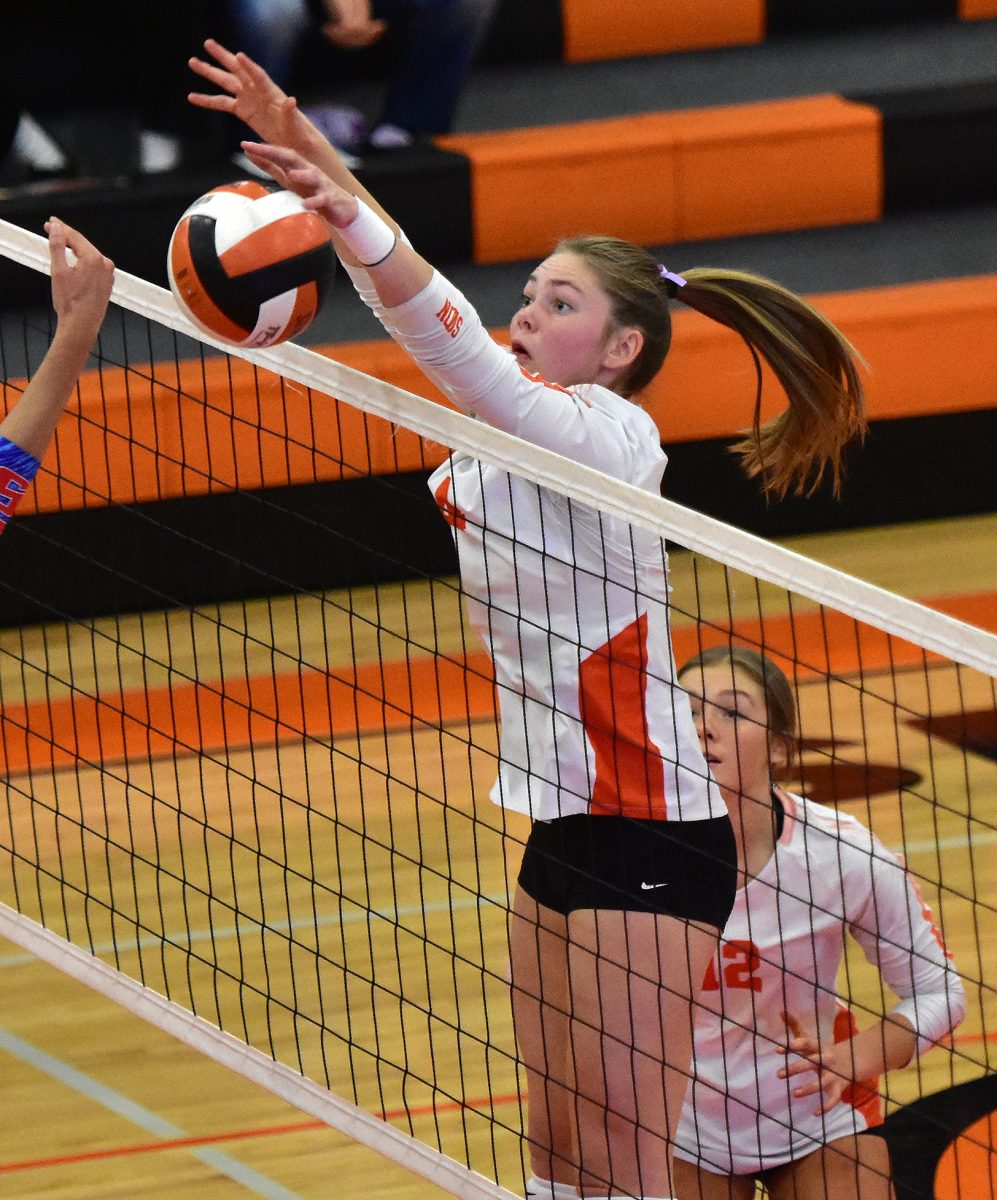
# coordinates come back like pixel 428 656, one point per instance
pixel 693 1184
pixel 851 1168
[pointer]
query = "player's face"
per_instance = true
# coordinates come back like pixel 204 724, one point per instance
pixel 562 330
pixel 729 711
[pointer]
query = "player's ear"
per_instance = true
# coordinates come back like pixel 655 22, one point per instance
pixel 780 754
pixel 622 348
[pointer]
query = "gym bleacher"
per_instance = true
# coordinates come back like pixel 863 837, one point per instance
pixel 842 147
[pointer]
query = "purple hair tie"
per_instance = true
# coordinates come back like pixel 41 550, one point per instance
pixel 672 281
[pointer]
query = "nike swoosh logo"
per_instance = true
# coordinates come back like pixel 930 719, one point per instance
pixel 647 887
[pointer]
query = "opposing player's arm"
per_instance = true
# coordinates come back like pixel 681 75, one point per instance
pixel 81 289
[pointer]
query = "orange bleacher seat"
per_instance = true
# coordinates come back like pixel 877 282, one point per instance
pixel 157 448
pixel 595 30
pixel 746 168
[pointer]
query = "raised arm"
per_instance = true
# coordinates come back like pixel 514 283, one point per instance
pixel 80 292
pixel 440 329
pixel 246 91
pixel 421 309
pixel 360 234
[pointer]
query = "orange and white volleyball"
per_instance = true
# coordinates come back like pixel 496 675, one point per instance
pixel 250 265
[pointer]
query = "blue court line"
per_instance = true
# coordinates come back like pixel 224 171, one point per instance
pixel 151 1122
pixel 219 932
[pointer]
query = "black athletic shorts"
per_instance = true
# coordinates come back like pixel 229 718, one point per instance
pixel 682 869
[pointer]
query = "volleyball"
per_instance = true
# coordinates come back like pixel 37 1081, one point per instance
pixel 249 264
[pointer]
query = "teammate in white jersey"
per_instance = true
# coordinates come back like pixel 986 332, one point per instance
pixel 808 875
pixel 81 289
pixel 628 874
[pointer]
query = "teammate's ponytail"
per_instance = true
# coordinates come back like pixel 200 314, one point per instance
pixel 812 360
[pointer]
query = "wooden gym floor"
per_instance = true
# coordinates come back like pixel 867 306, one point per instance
pixel 100 1104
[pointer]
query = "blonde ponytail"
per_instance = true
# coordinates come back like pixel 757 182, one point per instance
pixel 815 365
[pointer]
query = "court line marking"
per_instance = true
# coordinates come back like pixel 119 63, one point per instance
pixel 221 932
pixel 145 1119
pixel 500 899
pixel 199 716
pixel 303 1126
pixel 260 1131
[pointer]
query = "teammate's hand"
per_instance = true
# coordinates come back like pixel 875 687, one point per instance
pixel 247 92
pixel 830 1064
pixel 338 206
pixel 81 281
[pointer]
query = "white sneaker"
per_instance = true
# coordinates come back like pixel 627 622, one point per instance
pixel 344 126
pixel 250 168
pixel 390 137
pixel 35 147
pixel 157 152
pixel 350 161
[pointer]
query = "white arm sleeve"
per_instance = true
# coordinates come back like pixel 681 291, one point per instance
pixel 443 333
pixel 365 288
pixel 895 930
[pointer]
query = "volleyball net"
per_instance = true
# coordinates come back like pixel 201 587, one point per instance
pixel 248 738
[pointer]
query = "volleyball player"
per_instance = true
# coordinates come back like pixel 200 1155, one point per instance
pixel 81 288
pixel 780 1088
pixel 628 875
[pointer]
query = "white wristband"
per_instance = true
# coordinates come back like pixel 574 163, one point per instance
pixel 370 238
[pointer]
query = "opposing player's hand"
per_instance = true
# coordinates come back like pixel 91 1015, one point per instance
pixel 830 1064
pixel 247 92
pixel 291 170
pixel 351 25
pixel 81 281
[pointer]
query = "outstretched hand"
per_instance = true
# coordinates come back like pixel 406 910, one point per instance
pixel 830 1064
pixel 247 92
pixel 81 287
pixel 81 281
pixel 319 193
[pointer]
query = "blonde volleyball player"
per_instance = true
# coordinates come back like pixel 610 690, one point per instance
pixel 81 288
pixel 777 1092
pixel 628 875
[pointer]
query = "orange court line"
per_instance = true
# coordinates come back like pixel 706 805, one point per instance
pixel 968 1165
pixel 293 1127
pixel 203 717
pixel 245 1134
pixel 195 717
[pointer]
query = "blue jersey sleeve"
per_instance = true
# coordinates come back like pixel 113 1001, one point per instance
pixel 17 469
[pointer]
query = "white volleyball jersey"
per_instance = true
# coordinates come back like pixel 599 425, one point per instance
pixel 571 604
pixel 781 951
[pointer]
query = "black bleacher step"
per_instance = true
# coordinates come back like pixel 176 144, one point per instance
pixel 934 141
pixel 848 61
pixel 809 16
pixel 237 545
pixel 132 220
